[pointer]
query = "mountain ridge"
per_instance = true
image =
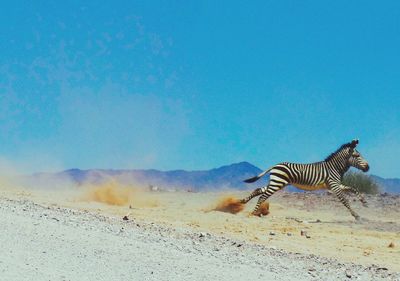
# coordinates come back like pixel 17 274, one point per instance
pixel 225 177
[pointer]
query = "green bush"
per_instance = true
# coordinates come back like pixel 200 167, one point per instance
pixel 364 183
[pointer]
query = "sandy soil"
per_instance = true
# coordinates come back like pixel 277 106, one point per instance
pixel 177 235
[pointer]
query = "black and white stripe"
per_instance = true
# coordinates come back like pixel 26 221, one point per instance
pixel 326 174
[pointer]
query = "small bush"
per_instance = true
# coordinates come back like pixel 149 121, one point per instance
pixel 364 183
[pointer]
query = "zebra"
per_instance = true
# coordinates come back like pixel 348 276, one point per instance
pixel 326 174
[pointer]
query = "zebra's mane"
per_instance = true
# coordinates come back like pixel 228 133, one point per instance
pixel 346 145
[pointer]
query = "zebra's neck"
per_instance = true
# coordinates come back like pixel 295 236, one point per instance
pixel 339 163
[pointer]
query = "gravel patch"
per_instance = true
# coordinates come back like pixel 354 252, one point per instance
pixel 40 242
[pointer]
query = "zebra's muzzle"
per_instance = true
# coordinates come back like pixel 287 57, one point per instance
pixel 365 168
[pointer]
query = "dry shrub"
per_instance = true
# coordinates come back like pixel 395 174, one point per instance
pixel 364 183
pixel 263 210
pixel 229 205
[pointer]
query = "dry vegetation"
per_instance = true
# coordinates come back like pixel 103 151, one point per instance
pixel 364 183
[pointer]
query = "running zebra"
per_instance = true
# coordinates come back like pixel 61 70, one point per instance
pixel 326 174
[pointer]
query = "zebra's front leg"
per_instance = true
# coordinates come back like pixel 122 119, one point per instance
pixel 335 187
pixel 356 192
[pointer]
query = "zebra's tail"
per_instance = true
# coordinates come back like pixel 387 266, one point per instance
pixel 253 179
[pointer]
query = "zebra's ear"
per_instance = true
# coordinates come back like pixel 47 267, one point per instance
pixel 354 143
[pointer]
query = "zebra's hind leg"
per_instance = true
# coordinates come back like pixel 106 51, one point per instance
pixel 271 189
pixel 255 193
pixel 261 199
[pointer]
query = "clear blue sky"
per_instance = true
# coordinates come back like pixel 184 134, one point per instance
pixel 184 84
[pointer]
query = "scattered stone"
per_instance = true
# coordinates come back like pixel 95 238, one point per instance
pixel 348 274
pixel 295 219
pixel 367 252
pixel 202 234
pixel 272 233
pixel 312 272
pixel 303 232
pixel 391 245
pixel 289 234
pixel 308 236
pixel 126 217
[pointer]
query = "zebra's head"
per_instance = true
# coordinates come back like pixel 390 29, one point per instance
pixel 355 159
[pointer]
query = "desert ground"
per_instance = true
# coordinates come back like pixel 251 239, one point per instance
pixel 79 233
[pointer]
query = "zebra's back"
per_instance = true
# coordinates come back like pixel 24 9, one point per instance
pixel 304 176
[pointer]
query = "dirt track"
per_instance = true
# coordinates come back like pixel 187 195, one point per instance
pixel 333 231
pixel 171 236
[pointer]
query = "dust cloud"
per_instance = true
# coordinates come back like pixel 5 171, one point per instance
pixel 229 205
pixel 114 193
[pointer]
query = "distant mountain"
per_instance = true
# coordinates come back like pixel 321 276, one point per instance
pixel 388 185
pixel 225 177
